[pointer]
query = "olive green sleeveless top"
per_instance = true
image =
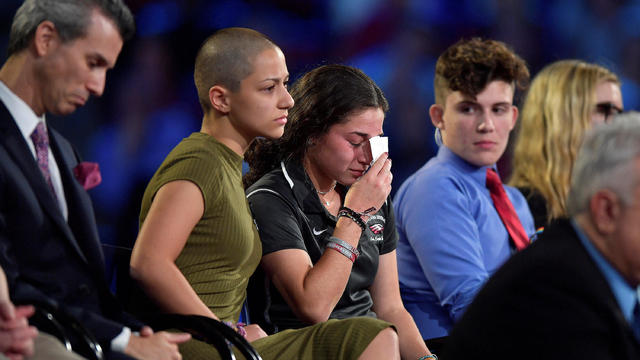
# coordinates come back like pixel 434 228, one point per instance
pixel 223 249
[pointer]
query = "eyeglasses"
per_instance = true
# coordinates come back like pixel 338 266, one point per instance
pixel 608 110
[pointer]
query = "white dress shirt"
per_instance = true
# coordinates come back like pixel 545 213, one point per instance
pixel 27 121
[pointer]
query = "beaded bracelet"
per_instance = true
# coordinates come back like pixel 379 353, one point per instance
pixel 432 356
pixel 345 245
pixel 342 250
pixel 238 327
pixel 351 214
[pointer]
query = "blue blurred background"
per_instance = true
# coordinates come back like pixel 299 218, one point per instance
pixel 150 102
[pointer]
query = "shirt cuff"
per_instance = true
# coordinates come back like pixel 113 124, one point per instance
pixel 120 342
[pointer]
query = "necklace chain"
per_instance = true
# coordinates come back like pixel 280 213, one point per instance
pixel 328 191
pixel 326 202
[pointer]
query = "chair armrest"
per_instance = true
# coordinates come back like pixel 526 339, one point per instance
pixel 53 320
pixel 208 330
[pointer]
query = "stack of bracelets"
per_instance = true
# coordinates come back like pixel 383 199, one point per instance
pixel 432 356
pixel 343 248
pixel 355 215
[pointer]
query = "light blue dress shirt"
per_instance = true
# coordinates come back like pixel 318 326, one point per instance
pixel 625 295
pixel 451 239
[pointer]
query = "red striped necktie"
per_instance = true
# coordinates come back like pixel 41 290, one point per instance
pixel 506 211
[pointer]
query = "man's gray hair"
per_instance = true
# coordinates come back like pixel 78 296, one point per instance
pixel 71 18
pixel 606 160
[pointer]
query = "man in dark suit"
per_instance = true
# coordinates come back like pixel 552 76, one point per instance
pixel 572 294
pixel 59 53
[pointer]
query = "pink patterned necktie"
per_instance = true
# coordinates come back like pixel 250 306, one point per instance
pixel 506 211
pixel 40 139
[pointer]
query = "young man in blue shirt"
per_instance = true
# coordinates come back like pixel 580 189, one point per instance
pixel 452 236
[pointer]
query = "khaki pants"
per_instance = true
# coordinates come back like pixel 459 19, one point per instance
pixel 47 347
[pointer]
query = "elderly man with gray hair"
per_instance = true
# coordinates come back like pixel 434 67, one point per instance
pixel 572 294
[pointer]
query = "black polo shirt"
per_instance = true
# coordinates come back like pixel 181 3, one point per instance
pixel 289 215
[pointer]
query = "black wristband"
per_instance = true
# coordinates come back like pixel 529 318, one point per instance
pixel 353 215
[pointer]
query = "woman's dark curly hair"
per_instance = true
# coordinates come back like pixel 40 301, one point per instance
pixel 324 96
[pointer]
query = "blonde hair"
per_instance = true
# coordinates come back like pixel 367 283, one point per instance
pixel 555 116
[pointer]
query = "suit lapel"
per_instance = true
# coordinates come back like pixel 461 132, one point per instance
pixel 81 216
pixel 17 148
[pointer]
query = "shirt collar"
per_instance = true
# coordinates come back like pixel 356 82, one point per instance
pixel 25 118
pixel 477 173
pixel 623 292
pixel 301 186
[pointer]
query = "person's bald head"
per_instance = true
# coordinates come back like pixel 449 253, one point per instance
pixel 225 59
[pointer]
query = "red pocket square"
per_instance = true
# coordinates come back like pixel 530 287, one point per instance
pixel 88 174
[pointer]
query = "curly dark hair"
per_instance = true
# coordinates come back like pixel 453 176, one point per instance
pixel 469 65
pixel 323 97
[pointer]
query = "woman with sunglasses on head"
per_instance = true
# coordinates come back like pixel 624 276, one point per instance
pixel 323 210
pixel 565 99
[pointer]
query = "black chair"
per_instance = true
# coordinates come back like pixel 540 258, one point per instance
pixel 208 330
pixel 52 320
pixel 202 328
